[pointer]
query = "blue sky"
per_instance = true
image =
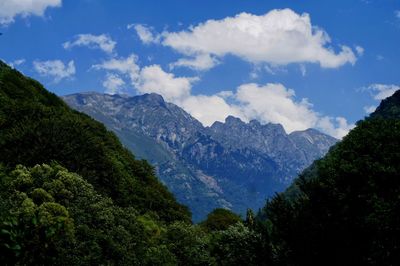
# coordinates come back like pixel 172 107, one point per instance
pixel 320 64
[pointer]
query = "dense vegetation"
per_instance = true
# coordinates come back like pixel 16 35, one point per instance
pixel 70 194
pixel 346 209
pixel 37 127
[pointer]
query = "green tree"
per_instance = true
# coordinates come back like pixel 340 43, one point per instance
pixel 220 219
pixel 237 245
pixel 188 243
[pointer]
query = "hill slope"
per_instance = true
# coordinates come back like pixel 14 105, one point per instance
pixel 345 211
pixel 37 127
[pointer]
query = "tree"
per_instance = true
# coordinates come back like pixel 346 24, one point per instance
pixel 220 219
pixel 53 216
pixel 237 245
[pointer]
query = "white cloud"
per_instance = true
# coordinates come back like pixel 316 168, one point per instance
pixel 382 91
pixel 102 42
pixel 154 79
pixel 113 83
pixel 145 34
pixel 274 103
pixel 126 66
pixel 270 103
pixel 55 69
pixel 380 57
pixel 279 37
pixel 199 62
pixel 150 78
pixel 9 9
pixel 397 13
pixel 267 103
pixel 208 109
pixel 337 127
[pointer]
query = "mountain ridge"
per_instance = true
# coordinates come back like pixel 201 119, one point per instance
pixel 206 167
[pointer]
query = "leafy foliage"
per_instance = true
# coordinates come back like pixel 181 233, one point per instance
pixel 56 217
pixel 237 245
pixel 220 219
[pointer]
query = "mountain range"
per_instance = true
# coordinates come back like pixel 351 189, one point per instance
pixel 231 164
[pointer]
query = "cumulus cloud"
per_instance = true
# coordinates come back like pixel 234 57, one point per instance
pixel 150 78
pixel 337 127
pixel 208 109
pixel 113 83
pixel 272 102
pixel 145 34
pixel 55 69
pixel 127 66
pixel 9 9
pixel 102 42
pixel 279 37
pixel 155 79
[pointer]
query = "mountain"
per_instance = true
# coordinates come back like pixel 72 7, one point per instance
pixel 344 209
pixel 234 165
pixel 38 127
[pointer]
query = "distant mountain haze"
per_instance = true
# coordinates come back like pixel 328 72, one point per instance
pixel 234 165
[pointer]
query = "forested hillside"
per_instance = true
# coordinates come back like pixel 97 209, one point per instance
pixel 37 127
pixel 345 210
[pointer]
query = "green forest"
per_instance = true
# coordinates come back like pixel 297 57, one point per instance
pixel 71 194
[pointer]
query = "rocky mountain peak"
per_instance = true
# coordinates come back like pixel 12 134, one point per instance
pixel 232 164
pixel 150 98
pixel 255 123
pixel 233 121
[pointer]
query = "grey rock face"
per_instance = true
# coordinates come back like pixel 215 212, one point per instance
pixel 234 164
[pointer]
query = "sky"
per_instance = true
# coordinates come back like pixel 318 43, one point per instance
pixel 303 64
